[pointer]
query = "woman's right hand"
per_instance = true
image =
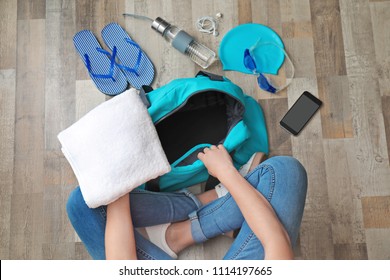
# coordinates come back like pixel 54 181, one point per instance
pixel 217 161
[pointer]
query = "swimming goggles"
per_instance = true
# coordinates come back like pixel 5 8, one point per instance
pixel 268 82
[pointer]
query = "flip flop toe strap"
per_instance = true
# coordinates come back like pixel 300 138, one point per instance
pixel 112 57
pixel 138 62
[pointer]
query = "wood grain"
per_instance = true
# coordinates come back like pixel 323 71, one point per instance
pixel 8 29
pixel 27 198
pixel 370 147
pixel 26 226
pixel 7 141
pixel 31 9
pixel 378 244
pixel 376 211
pixel 344 196
pixel 327 38
pixel 274 110
pixel 60 63
pixel 350 251
pixel 297 35
pixel 244 11
pixel 81 252
pixel 316 230
pixel 295 11
pixel 336 115
pixel 63 251
pixel 358 38
pixel 30 108
pixel 60 113
pixel 380 15
pixel 386 119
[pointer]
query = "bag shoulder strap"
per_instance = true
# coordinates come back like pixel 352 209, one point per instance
pixel 213 77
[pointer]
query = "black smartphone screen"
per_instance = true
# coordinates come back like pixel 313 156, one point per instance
pixel 300 113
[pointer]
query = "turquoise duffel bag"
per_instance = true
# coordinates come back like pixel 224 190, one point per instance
pixel 193 113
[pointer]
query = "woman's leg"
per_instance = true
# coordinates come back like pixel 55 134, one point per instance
pixel 147 209
pixel 282 180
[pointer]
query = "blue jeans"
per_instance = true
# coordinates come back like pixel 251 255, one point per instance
pixel 281 179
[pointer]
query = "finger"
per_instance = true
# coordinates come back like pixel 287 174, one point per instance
pixel 221 147
pixel 213 147
pixel 201 156
pixel 206 149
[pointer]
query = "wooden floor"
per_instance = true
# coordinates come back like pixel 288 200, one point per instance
pixel 341 51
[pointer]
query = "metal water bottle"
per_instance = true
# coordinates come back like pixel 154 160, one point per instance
pixel 184 43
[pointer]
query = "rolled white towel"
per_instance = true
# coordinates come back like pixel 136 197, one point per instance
pixel 113 149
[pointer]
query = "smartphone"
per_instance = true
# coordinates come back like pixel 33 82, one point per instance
pixel 300 113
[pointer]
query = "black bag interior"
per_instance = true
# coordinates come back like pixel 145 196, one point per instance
pixel 205 118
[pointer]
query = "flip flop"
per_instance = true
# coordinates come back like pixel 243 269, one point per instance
pixel 134 63
pixel 101 66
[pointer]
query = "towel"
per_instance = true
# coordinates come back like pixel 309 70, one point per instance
pixel 113 149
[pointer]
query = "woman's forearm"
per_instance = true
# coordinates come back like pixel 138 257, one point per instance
pixel 259 215
pixel 119 236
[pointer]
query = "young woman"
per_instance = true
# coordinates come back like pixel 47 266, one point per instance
pixel 267 206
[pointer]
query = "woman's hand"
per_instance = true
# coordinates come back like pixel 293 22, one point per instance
pixel 217 160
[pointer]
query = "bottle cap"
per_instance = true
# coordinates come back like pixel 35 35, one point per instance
pixel 160 25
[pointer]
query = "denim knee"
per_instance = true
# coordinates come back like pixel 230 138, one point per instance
pixel 283 162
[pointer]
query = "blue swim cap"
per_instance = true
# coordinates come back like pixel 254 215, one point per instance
pixel 269 58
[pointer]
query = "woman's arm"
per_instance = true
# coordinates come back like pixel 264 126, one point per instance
pixel 256 210
pixel 119 236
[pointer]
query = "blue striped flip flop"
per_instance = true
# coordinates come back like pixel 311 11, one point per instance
pixel 101 65
pixel 134 63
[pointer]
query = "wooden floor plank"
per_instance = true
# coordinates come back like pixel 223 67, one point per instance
pixel 386 119
pixel 336 115
pixel 344 196
pixel 316 231
pixel 8 29
pixel 26 226
pixel 327 38
pixel 358 38
pixel 297 35
pixel 376 211
pixel 62 251
pixel 27 198
pixel 378 244
pixel 81 252
pixel 60 63
pixel 370 146
pixel 244 11
pixel 31 9
pixel 30 107
pixel 365 97
pixel 295 11
pixel 278 137
pixel 380 15
pixel 7 141
pixel 350 251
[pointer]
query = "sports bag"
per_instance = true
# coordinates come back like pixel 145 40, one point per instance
pixel 193 113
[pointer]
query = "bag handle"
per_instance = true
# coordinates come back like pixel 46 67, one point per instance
pixel 142 94
pixel 213 77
